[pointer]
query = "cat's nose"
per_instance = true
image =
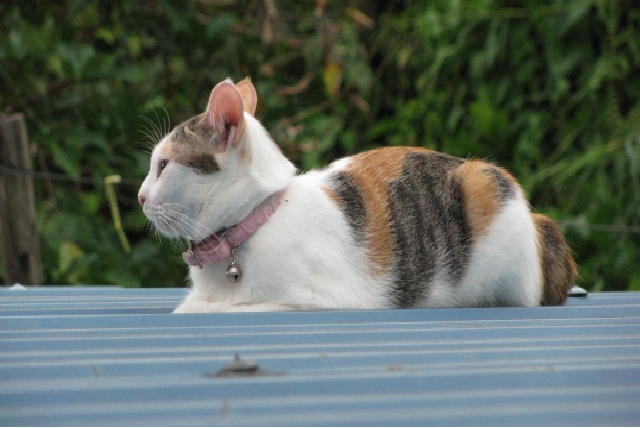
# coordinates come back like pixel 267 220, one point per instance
pixel 142 200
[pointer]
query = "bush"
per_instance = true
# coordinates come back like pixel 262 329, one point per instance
pixel 549 89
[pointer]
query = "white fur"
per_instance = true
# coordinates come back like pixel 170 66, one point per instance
pixel 303 257
pixel 504 267
pixel 300 259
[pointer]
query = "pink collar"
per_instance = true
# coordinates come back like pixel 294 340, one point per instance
pixel 218 246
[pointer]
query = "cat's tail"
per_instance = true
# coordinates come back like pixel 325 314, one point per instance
pixel 558 268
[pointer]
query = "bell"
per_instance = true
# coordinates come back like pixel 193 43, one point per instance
pixel 233 273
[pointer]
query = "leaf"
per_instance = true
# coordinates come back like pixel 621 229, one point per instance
pixel 359 17
pixel 73 264
pixel 78 6
pixel 220 24
pixel 133 73
pixel 122 278
pixel 358 73
pixel 38 41
pixel 66 159
pixel 491 121
pixel 68 253
pixel 332 77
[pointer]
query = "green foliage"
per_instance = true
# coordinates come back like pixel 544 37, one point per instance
pixel 548 88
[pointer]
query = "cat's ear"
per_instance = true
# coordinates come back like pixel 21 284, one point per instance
pixel 249 96
pixel 225 115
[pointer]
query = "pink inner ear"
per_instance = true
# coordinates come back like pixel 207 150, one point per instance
pixel 225 110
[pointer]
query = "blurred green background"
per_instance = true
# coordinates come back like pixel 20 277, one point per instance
pixel 549 89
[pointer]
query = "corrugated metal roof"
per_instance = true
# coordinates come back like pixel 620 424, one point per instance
pixel 98 356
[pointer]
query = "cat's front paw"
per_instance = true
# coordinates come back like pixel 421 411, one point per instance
pixel 200 307
pixel 204 307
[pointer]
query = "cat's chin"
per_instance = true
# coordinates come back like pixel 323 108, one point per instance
pixel 169 235
pixel 174 226
pixel 169 230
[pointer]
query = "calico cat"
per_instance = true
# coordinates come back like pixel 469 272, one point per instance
pixel 396 227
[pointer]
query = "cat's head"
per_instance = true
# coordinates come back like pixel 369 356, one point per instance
pixel 213 169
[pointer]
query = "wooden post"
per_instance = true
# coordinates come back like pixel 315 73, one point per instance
pixel 18 234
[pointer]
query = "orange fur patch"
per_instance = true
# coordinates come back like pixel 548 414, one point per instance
pixel 165 150
pixel 480 195
pixel 244 154
pixel 373 170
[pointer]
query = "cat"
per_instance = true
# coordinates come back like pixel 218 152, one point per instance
pixel 395 227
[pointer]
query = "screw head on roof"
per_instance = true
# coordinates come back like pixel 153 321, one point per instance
pixel 577 292
pixel 239 367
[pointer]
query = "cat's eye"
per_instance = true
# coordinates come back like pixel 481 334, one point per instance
pixel 162 164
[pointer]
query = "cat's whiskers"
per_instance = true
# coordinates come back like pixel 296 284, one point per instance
pixel 178 227
pixel 167 124
pixel 178 216
pixel 156 125
pixel 166 224
pixel 150 134
pixel 147 144
pixel 153 227
pixel 149 227
pixel 187 224
pixel 155 130
pixel 161 130
pixel 183 226
pixel 165 128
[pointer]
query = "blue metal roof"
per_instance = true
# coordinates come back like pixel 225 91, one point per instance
pixel 110 356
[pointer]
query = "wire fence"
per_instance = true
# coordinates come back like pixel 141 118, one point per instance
pixel 107 182
pixel 44 175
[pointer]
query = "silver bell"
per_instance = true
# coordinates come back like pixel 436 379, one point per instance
pixel 233 273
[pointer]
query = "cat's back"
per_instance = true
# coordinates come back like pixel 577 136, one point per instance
pixel 421 216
